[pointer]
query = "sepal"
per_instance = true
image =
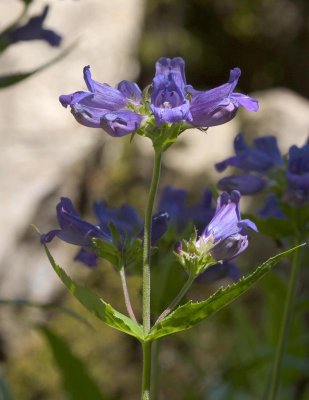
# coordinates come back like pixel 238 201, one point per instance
pixel 194 259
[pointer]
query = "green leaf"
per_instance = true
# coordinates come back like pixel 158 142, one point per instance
pixel 12 79
pixel 97 306
pixel 5 393
pixel 75 378
pixel 107 251
pixel 188 315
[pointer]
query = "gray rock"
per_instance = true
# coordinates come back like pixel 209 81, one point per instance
pixel 45 153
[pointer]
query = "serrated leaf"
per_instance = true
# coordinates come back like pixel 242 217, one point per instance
pixel 76 380
pixel 191 313
pixel 97 306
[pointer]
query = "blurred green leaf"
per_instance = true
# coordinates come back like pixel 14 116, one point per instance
pixel 97 306
pixel 12 79
pixel 44 306
pixel 75 377
pixel 5 393
pixel 107 251
pixel 188 315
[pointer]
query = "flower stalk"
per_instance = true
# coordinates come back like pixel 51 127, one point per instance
pixel 146 275
pixel 126 294
pixel 178 298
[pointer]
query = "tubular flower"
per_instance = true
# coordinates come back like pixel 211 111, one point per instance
pixel 226 236
pixel 245 183
pixel 74 230
pixel 105 107
pixel 271 208
pixel 122 110
pixel 219 105
pixel 173 201
pixel 262 156
pixel 34 30
pixel 259 158
pixel 298 174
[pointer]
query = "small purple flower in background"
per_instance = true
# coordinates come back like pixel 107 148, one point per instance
pixel 74 230
pixel 121 110
pixel 34 30
pixel 259 158
pixel 245 183
pixel 271 208
pixel 298 174
pixel 226 236
pixel 174 202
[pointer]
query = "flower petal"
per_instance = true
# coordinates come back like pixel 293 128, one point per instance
pixel 87 257
pixel 130 90
pixel 121 123
pixel 219 105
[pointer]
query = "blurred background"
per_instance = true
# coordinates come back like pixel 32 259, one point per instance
pixel 45 154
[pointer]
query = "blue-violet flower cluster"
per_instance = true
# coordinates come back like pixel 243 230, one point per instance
pixel 74 230
pixel 123 110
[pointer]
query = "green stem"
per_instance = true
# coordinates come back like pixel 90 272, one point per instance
pixel 177 299
pixel 155 370
pixel 285 327
pixel 146 276
pixel 146 371
pixel 126 294
pixel 147 242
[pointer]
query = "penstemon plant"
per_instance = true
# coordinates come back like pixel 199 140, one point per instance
pixel 200 239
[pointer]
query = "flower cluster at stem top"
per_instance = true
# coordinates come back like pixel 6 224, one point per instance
pixel 169 100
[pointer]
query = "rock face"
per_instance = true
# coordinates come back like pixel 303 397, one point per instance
pixel 45 153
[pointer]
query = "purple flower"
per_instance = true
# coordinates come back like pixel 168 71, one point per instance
pixel 121 110
pixel 74 230
pixel 219 105
pixel 34 30
pixel 298 174
pixel 245 183
pixel 105 107
pixel 271 208
pixel 168 100
pixel 262 156
pixel 226 234
pixel 174 202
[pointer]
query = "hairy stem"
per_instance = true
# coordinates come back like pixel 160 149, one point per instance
pixel 126 294
pixel 146 383
pixel 147 242
pixel 154 389
pixel 146 276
